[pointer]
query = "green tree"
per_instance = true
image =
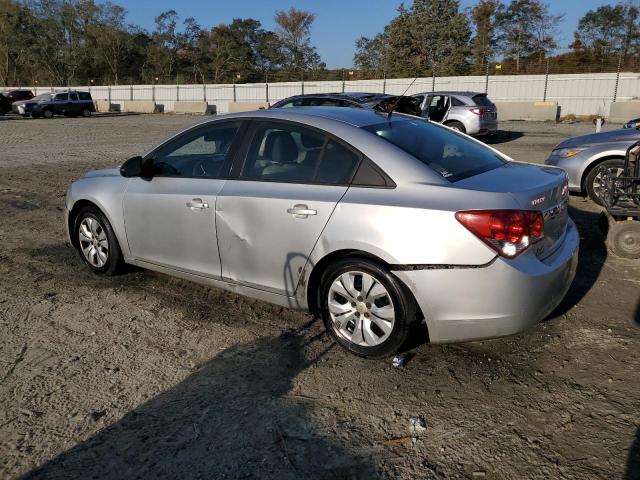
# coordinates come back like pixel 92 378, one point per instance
pixel 483 45
pixel 430 37
pixel 294 31
pixel 372 53
pixel 608 31
pixel 526 28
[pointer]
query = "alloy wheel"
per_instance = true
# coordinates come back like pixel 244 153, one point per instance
pixel 599 184
pixel 93 242
pixel 361 309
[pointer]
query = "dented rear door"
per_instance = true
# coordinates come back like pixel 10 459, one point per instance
pixel 267 230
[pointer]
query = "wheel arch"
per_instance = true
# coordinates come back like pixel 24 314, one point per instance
pixel 73 215
pixel 313 284
pixel 593 164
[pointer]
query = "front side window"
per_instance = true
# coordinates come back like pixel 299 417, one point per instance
pixel 62 97
pixel 282 152
pixel 450 154
pixel 74 97
pixel 201 152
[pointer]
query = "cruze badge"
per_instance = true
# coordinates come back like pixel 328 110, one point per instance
pixel 537 201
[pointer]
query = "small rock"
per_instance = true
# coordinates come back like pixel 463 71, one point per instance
pixel 98 415
pixel 418 425
pixel 609 330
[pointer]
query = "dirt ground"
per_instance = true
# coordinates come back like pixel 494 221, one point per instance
pixel 146 376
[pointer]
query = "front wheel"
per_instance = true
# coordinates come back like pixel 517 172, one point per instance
pixel 365 308
pixel 48 114
pixel 96 242
pixel 623 239
pixel 594 184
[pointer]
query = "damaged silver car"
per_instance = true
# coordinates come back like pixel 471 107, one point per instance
pixel 371 221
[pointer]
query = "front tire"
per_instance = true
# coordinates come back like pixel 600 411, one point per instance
pixel 48 114
pixel 593 182
pixel 365 308
pixel 623 239
pixel 96 242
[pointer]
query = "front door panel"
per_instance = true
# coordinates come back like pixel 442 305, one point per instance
pixel 267 230
pixel 171 222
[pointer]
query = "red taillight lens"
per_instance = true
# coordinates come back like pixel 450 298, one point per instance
pixel 479 111
pixel 508 232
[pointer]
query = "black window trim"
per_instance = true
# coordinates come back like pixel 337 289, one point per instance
pixel 241 156
pixel 231 156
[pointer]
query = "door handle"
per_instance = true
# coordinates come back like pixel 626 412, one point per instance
pixel 197 204
pixel 301 211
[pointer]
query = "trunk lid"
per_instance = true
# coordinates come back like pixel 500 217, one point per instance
pixel 539 188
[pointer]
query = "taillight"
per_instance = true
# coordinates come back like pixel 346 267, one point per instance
pixel 508 232
pixel 480 111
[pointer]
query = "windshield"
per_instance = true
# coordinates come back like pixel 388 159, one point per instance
pixel 448 153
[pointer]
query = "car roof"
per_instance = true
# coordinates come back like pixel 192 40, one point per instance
pixel 452 92
pixel 357 117
pixel 358 97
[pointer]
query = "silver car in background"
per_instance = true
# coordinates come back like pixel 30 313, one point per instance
pixel 579 157
pixel 345 213
pixel 468 112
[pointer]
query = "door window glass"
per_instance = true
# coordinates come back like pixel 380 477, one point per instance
pixel 199 153
pixel 62 97
pixel 73 97
pixel 455 102
pixel 293 153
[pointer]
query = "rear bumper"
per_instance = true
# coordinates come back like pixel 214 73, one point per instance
pixel 501 298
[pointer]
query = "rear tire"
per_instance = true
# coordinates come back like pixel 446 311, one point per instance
pixel 592 181
pixel 367 310
pixel 96 242
pixel 456 126
pixel 86 113
pixel 624 239
pixel 48 114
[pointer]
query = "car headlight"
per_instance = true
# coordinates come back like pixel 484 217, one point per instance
pixel 566 152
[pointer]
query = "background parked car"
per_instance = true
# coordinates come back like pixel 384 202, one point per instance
pixel 468 112
pixel 5 105
pixel 18 95
pixel 635 123
pixel 375 101
pixel 71 104
pixel 580 156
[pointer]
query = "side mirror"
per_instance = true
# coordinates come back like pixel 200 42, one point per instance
pixel 132 167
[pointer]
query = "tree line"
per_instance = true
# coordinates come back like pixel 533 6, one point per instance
pixel 67 42
pixel 434 37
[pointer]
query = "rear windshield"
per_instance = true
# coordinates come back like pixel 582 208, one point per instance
pixel 448 153
pixel 482 101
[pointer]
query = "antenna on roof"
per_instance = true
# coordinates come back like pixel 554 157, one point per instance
pixel 400 98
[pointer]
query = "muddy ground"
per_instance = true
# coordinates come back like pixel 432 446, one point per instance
pixel 146 376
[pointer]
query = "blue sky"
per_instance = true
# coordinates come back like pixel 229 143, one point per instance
pixel 338 22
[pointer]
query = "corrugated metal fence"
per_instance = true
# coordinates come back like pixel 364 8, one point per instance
pixel 578 94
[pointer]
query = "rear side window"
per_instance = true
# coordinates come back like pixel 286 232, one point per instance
pixel 74 97
pixel 456 102
pixel 283 152
pixel 291 103
pixel 450 154
pixel 84 95
pixel 482 100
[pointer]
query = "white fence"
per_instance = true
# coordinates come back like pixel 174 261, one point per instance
pixel 579 94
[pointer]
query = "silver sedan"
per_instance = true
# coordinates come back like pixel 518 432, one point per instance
pixel 580 156
pixel 372 223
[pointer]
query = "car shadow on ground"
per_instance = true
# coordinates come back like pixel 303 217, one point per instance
pixel 230 418
pixel 633 462
pixel 591 259
pixel 501 136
